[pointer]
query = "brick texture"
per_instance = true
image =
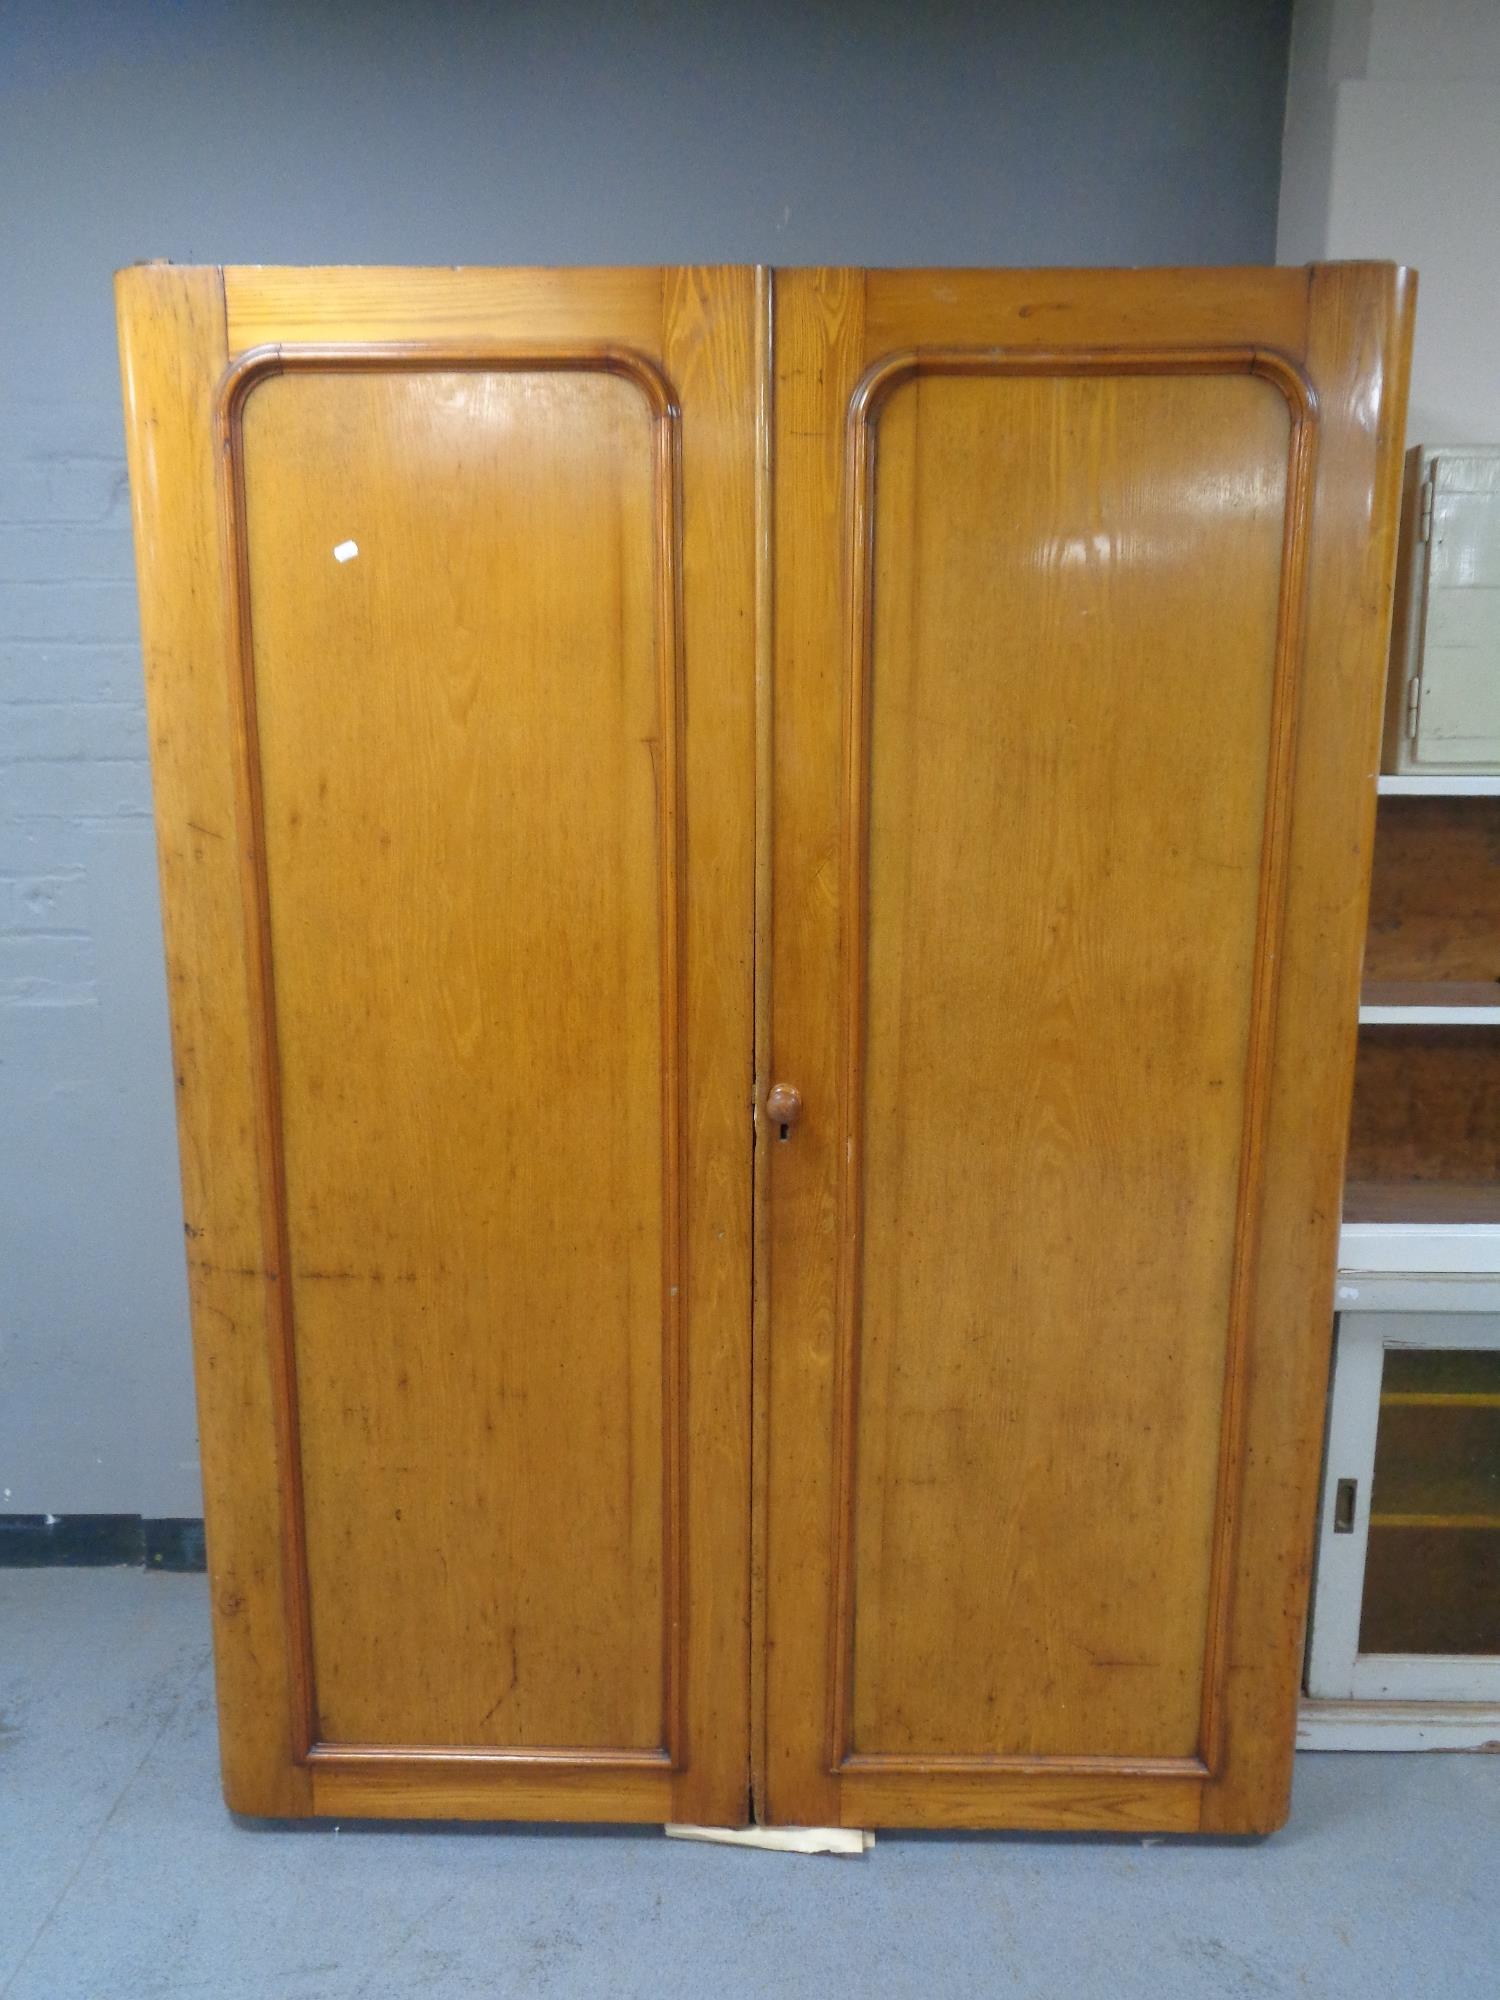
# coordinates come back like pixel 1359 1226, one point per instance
pixel 94 1377
pixel 72 727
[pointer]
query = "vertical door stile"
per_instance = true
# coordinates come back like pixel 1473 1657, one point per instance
pixel 760 1341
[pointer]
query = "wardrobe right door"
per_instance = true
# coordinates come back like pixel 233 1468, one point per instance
pixel 1081 603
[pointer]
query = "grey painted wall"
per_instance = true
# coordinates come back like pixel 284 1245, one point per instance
pixel 1044 131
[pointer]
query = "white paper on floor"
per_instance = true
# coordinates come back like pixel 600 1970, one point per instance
pixel 782 1839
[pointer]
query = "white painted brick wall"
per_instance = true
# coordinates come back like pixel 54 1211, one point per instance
pixel 95 1413
pixel 72 727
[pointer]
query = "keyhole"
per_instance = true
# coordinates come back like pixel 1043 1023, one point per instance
pixel 784 1108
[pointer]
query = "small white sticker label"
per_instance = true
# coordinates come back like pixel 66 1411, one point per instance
pixel 346 552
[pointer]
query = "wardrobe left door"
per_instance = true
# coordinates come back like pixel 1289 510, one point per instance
pixel 448 598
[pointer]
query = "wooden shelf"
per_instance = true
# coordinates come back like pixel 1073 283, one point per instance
pixel 1418 1003
pixel 1422 1205
pixel 1428 1202
pixel 1441 785
pixel 1426 1115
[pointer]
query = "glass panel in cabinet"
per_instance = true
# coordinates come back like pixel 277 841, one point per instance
pixel 1432 1574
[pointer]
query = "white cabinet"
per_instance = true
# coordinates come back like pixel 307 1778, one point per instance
pixel 1406 1596
pixel 1444 701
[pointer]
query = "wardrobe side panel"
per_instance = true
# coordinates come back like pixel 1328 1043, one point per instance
pixel 173 355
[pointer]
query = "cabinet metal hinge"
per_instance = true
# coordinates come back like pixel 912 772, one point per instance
pixel 1424 523
pixel 1413 706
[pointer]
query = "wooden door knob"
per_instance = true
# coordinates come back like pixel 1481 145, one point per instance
pixel 784 1104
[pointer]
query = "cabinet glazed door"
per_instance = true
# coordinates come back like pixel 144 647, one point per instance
pixel 448 592
pixel 1081 598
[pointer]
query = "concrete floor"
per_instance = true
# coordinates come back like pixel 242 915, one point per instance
pixel 123 1878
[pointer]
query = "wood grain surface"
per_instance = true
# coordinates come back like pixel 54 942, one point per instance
pixel 495 1013
pixel 581 700
pixel 468 782
pixel 1059 915
pixel 1076 888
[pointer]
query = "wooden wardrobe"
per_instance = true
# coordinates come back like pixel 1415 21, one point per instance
pixel 764 878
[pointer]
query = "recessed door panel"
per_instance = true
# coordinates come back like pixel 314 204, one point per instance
pixel 466 738
pixel 1065 797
